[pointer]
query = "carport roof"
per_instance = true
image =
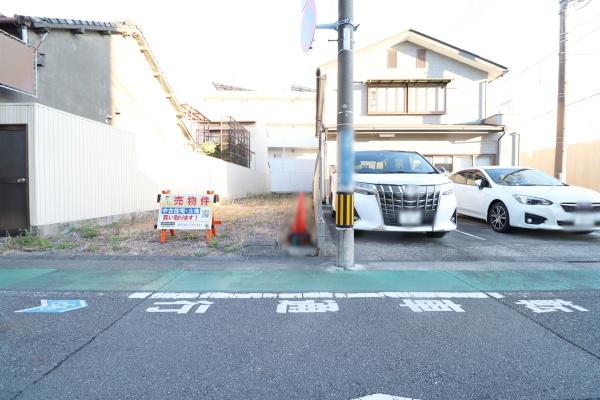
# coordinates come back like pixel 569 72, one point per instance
pixel 364 129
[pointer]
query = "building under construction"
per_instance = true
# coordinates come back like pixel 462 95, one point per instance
pixel 226 139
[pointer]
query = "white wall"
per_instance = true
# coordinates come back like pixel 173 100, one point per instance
pixel 291 175
pixel 81 169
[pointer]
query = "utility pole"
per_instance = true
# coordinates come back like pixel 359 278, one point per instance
pixel 559 155
pixel 345 137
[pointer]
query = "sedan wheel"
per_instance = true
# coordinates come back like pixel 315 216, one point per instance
pixel 498 218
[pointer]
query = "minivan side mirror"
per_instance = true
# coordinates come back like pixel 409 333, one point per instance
pixel 443 170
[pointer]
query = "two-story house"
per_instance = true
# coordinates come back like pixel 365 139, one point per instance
pixel 417 93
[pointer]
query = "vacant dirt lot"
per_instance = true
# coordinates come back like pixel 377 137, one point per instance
pixel 260 222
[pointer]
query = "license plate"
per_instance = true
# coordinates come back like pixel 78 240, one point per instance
pixel 584 219
pixel 409 218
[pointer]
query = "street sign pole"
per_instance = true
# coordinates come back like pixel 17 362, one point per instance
pixel 345 137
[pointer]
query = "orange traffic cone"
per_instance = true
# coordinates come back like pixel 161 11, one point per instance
pixel 299 235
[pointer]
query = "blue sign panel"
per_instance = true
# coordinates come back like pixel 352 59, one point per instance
pixel 308 25
pixel 56 306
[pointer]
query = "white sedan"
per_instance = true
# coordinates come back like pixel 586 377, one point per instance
pixel 526 198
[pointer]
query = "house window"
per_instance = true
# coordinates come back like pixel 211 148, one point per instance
pixel 458 162
pixel 407 99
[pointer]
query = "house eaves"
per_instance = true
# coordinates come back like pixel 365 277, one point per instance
pixel 422 128
pixel 493 69
pixel 76 26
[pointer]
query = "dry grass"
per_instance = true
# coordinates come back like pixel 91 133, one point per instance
pixel 265 218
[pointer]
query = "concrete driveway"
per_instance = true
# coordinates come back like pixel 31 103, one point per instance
pixel 475 241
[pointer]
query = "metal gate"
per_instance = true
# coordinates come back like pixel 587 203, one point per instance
pixel 14 198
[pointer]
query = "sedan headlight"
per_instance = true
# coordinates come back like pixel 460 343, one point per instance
pixel 364 188
pixel 446 189
pixel 532 201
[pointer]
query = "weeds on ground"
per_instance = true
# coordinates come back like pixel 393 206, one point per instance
pixel 87 231
pixel 27 241
pixel 190 235
pixel 115 242
pixel 63 245
pixel 92 248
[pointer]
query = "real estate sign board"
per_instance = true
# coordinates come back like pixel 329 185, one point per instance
pixel 185 211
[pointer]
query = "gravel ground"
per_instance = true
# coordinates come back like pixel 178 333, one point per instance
pixel 254 222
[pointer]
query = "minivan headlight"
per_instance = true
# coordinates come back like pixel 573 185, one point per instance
pixel 532 201
pixel 446 189
pixel 364 188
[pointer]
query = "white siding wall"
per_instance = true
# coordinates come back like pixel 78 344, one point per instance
pixel 426 145
pixel 465 95
pixel 80 169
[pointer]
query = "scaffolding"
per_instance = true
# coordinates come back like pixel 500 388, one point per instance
pixel 226 139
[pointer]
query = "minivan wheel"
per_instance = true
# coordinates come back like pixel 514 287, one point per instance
pixel 437 235
pixel 498 218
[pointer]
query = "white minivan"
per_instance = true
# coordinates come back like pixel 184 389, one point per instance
pixel 400 191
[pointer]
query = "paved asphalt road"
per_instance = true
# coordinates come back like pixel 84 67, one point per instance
pixel 412 334
pixel 474 241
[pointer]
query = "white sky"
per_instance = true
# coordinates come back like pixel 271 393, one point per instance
pixel 256 44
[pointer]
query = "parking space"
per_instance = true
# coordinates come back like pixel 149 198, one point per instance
pixel 474 240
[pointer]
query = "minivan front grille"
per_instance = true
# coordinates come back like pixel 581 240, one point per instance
pixel 394 199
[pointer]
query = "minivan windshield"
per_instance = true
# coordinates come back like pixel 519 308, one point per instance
pixel 391 162
pixel 522 177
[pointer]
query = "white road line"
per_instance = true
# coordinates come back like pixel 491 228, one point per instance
pixel 312 295
pixel 468 234
pixel 495 295
pixel 139 295
pixel 595 234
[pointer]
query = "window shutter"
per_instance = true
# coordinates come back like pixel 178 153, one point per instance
pixel 392 58
pixel 421 58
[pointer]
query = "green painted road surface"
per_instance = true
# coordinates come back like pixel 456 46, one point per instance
pixel 284 281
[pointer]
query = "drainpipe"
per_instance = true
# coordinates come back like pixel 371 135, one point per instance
pixel 500 147
pixel 516 144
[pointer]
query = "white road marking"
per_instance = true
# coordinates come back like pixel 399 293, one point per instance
pixel 317 295
pixel 381 396
pixel 468 234
pixel 546 306
pixel 179 295
pixel 364 295
pixel 139 295
pixel 313 295
pixel 595 234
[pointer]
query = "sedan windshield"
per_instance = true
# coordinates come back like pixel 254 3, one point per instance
pixel 522 177
pixel 391 162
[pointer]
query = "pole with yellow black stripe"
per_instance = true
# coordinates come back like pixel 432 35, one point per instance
pixel 344 217
pixel 345 135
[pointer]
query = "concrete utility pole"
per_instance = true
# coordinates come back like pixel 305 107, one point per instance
pixel 559 155
pixel 345 137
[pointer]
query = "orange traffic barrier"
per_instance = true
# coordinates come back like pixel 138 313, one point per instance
pixel 299 235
